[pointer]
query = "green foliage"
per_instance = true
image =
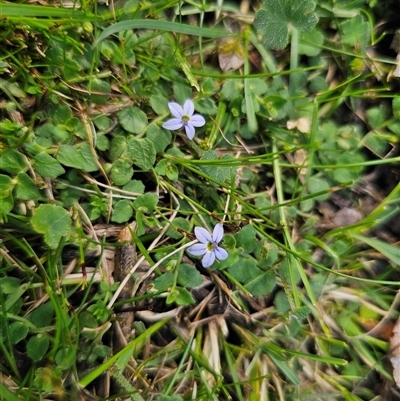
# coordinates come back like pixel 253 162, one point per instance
pixel 293 141
pixel 37 347
pixel 53 222
pixel 274 20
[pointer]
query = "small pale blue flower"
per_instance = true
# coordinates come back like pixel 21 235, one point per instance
pixel 209 245
pixel 184 117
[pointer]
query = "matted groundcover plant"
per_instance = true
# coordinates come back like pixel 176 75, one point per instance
pixel 199 200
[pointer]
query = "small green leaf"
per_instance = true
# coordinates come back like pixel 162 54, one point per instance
pixel 143 152
pixel 118 147
pixel 316 184
pixel 188 276
pixel 261 284
pixel 69 156
pixel 18 331
pixel 37 347
pixel 13 162
pixel 52 221
pixel 232 89
pixel 9 285
pixel 244 269
pixel 134 186
pixel 181 223
pixel 160 137
pixel 6 185
pixel 42 316
pixel 102 88
pixel 246 238
pixel 60 113
pixel 147 201
pixel 122 211
pixel 377 116
pixel 102 351
pixel 276 17
pixel 86 319
pixel 311 43
pixel 88 158
pixel 26 189
pixel 121 172
pixel 163 282
pixel 6 205
pixel 47 166
pixel 159 104
pixel 133 120
pixel 183 297
pixel 356 33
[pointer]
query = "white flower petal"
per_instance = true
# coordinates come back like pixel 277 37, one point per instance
pixel 197 120
pixel 202 235
pixel 218 233
pixel 208 259
pixel 188 108
pixel 189 131
pixel 220 253
pixel 176 109
pixel 173 124
pixel 197 249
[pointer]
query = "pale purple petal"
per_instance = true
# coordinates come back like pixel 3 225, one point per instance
pixel 202 235
pixel 189 130
pixel 198 249
pixel 220 253
pixel 218 233
pixel 188 108
pixel 197 120
pixel 176 109
pixel 173 124
pixel 208 259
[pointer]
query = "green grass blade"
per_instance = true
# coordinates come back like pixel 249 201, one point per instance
pixel 390 251
pixel 23 10
pixel 161 26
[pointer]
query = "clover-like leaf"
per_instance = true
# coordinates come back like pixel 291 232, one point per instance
pixel 52 221
pixel 277 17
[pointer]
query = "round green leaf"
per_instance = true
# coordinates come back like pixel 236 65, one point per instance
pixel 122 211
pixel 37 347
pixel 18 331
pixel 26 189
pixel 42 316
pixel 47 166
pixel 160 137
pixel 121 172
pixel 87 156
pixel 147 201
pixel 143 152
pixel 102 88
pixel 246 238
pixel 9 285
pixel 188 276
pixel 133 120
pixel 275 18
pixel 69 156
pixel 53 222
pixel 13 161
pixel 316 184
